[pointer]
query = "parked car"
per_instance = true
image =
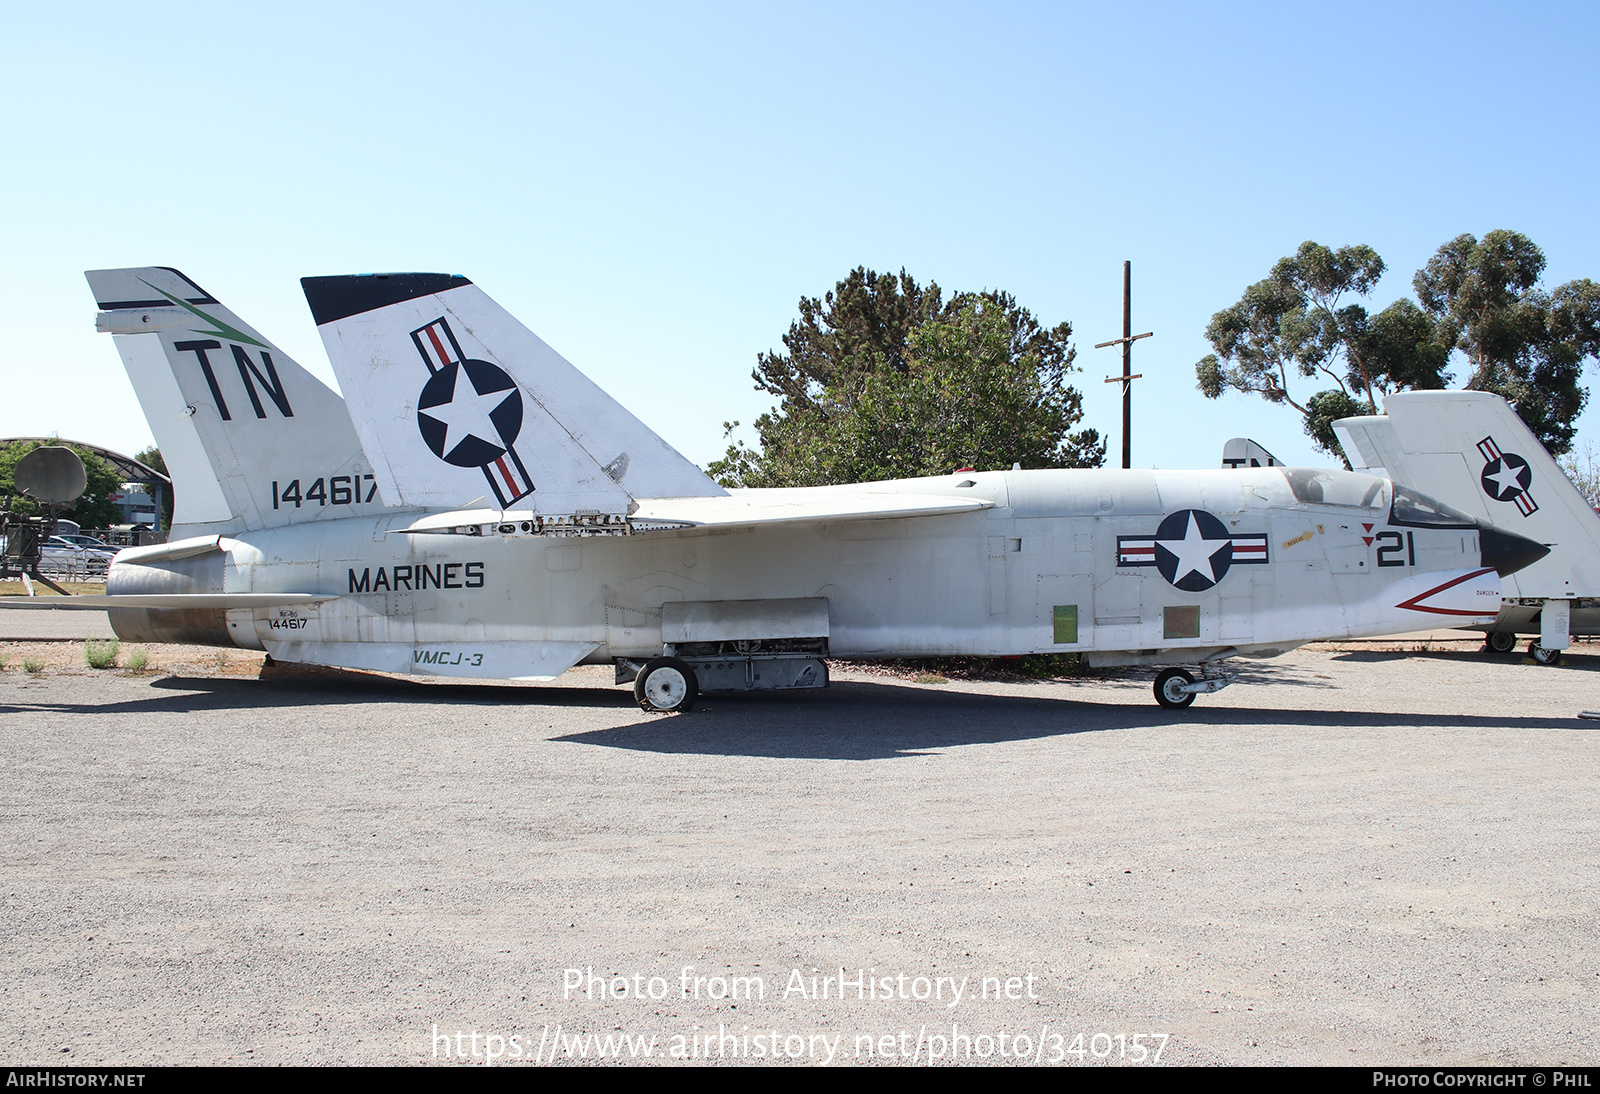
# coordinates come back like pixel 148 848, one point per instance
pixel 88 542
pixel 62 555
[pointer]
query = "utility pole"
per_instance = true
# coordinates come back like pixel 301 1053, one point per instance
pixel 1128 375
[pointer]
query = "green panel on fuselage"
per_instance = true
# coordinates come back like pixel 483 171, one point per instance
pixel 1066 624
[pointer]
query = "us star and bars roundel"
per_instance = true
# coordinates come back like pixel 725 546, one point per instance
pixel 1506 477
pixel 1192 549
pixel 470 412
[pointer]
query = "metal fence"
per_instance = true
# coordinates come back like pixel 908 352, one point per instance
pixel 84 567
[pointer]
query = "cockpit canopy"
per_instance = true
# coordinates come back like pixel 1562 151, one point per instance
pixel 1346 489
pixel 1417 509
pixel 1353 490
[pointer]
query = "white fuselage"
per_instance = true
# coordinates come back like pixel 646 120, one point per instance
pixel 1053 566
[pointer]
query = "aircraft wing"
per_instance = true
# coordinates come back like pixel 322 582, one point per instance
pixel 797 507
pixel 747 509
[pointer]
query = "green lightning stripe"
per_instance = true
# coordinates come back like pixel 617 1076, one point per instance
pixel 220 329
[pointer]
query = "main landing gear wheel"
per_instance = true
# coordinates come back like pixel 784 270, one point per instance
pixel 1167 689
pixel 666 685
pixel 1501 641
pixel 1542 656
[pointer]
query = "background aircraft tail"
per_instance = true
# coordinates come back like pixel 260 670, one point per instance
pixel 454 399
pixel 1470 450
pixel 250 438
pixel 1243 452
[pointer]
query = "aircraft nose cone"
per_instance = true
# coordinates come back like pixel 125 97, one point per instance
pixel 1506 551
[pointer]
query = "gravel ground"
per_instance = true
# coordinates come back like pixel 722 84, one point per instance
pixel 1355 855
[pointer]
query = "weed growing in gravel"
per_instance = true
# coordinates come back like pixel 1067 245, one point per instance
pixel 33 664
pixel 138 659
pixel 101 653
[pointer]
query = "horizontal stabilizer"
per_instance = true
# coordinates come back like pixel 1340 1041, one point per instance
pixel 154 554
pixel 226 601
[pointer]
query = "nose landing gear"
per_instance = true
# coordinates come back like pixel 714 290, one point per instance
pixel 1176 688
pixel 1170 691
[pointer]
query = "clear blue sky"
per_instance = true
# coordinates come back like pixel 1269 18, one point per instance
pixel 652 188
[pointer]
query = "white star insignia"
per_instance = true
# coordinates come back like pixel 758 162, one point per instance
pixel 1193 553
pixel 467 414
pixel 1508 478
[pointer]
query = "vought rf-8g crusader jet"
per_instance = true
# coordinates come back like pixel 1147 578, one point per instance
pixel 339 532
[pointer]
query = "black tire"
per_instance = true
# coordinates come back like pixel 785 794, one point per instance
pixel 1166 689
pixel 666 685
pixel 1501 641
pixel 1542 656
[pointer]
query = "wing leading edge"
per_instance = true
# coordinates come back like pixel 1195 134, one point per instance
pixel 750 509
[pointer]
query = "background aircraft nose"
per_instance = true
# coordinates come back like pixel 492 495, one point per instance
pixel 1506 551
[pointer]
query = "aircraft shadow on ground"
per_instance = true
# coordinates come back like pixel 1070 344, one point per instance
pixel 863 721
pixel 1583 661
pixel 205 694
pixel 853 720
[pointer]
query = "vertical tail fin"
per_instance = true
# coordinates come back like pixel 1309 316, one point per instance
pixel 1243 452
pixel 455 399
pixel 1470 450
pixel 251 439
